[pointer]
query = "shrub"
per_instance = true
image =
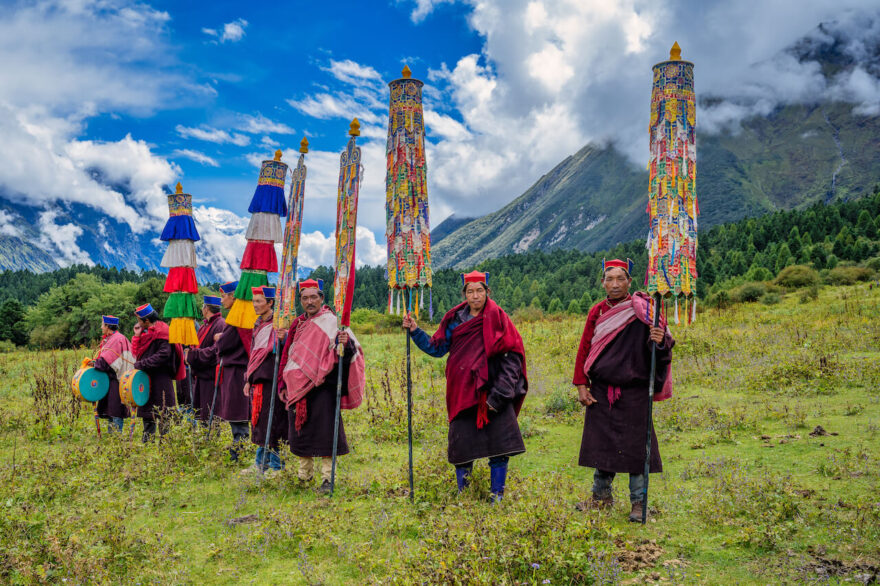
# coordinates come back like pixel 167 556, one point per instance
pixel 797 276
pixel 759 274
pixel 770 298
pixel 874 264
pixel 848 275
pixel 749 292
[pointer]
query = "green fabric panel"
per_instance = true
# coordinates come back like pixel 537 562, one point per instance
pixel 181 305
pixel 248 280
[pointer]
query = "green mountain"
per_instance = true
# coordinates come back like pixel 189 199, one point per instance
pixel 595 199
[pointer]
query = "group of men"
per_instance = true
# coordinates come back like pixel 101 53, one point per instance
pixel 233 370
pixel 486 380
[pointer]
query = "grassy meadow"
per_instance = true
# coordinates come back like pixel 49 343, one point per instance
pixel 771 450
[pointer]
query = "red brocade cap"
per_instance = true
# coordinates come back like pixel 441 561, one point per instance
pixel 626 265
pixel 310 284
pixel 475 277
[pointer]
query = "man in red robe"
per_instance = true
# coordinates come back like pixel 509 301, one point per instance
pixel 233 347
pixel 612 373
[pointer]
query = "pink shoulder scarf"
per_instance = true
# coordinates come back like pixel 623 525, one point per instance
pixel 611 323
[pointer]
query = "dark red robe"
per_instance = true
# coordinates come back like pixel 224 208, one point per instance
pixel 232 404
pixel 203 364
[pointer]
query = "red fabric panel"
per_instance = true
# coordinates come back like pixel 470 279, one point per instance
pixel 259 255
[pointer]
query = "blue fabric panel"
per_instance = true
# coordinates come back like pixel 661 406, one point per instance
pixel 180 228
pixel 268 199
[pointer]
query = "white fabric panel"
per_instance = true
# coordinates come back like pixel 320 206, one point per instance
pixel 264 226
pixel 180 253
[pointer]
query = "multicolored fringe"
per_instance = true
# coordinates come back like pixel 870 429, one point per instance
pixel 180 233
pixel 672 203
pixel 406 188
pixel 264 230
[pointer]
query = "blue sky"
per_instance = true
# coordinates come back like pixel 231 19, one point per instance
pixel 155 92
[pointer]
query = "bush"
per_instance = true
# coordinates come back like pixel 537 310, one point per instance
pixel 759 274
pixel 797 276
pixel 721 299
pixel 770 298
pixel 749 292
pixel 561 400
pixel 874 264
pixel 848 275
pixel 574 307
pixel 809 294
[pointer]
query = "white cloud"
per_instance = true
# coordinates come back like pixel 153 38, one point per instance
pixel 325 106
pixel 316 249
pixel 214 135
pixel 425 7
pixel 259 124
pixel 60 240
pixel 196 156
pixel 354 73
pixel 8 225
pixel 232 31
pixel 269 142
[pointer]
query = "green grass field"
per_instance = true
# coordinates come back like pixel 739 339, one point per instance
pixel 752 493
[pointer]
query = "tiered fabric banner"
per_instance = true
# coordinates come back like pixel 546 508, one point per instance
pixel 180 259
pixel 406 191
pixel 672 204
pixel 346 225
pixel 286 296
pixel 264 230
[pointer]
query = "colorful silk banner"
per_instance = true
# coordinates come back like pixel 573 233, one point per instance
pixel 672 204
pixel 406 190
pixel 285 299
pixel 346 225
pixel 181 234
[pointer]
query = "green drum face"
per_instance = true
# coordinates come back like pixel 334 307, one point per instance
pixel 140 387
pixel 92 384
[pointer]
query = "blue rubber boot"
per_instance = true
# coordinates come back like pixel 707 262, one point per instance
pixel 497 479
pixel 463 476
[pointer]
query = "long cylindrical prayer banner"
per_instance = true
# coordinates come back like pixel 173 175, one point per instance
pixel 286 295
pixel 346 225
pixel 406 188
pixel 672 203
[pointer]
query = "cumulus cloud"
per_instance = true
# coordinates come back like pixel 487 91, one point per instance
pixel 231 32
pixel 214 135
pixel 196 156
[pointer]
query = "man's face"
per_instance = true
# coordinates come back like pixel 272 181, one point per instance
pixel 261 305
pixel 227 299
pixel 104 329
pixel 616 283
pixel 311 300
pixel 206 313
pixel 475 294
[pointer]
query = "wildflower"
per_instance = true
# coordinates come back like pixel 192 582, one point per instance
pixel 546 581
pixel 536 566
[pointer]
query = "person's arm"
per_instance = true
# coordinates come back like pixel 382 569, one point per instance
pixel 159 359
pixel 508 367
pixel 580 378
pixel 423 341
pixel 101 364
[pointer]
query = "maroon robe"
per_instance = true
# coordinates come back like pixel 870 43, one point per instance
pixel 614 435
pixel 203 363
pixel 474 381
pixel 161 363
pixel 232 404
pixel 263 375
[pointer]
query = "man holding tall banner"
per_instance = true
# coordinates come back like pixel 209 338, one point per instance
pixel 310 375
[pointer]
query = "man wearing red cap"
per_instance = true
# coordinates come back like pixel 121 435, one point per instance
pixel 311 371
pixel 258 385
pixel 612 372
pixel 485 381
pixel 233 347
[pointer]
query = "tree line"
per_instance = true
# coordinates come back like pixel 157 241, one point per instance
pixel 59 309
